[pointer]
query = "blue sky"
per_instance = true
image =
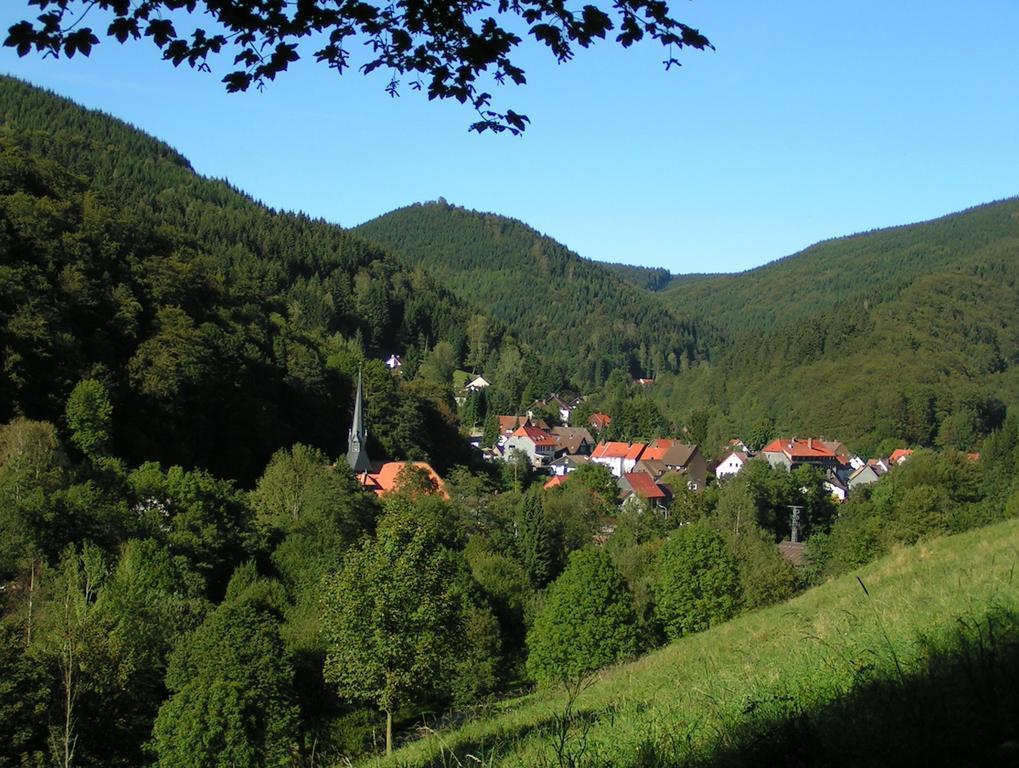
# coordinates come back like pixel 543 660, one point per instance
pixel 809 120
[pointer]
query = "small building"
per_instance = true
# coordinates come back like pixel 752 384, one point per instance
pixel 683 458
pixel 554 482
pixel 620 458
pixel 538 445
pixel 567 463
pixel 835 486
pixel 865 475
pixel 477 384
pixel 731 465
pixel 900 455
pixel 393 362
pixel 599 421
pixel 640 485
pixel 573 440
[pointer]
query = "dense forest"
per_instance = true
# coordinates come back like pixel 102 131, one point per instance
pixel 902 336
pixel 582 315
pixel 906 335
pixel 222 330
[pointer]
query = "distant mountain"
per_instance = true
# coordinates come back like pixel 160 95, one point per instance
pixel 582 314
pixel 910 333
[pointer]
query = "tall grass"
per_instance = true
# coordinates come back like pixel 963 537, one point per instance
pixel 913 659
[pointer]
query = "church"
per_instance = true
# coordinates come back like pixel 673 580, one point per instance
pixel 383 477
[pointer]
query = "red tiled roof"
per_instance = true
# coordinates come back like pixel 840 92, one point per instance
pixel 557 480
pixel 657 450
pixel 616 450
pixel 385 480
pixel 799 447
pixel 600 420
pixel 537 436
pixel 643 485
pixel 900 454
pixel 973 456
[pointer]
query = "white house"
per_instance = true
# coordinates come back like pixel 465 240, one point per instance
pixel 731 464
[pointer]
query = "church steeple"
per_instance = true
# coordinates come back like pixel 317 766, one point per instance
pixel 357 439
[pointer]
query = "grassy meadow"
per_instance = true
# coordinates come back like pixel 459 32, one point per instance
pixel 913 659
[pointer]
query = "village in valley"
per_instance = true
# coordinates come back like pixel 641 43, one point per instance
pixel 554 437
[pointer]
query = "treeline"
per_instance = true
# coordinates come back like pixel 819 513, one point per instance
pixel 579 314
pixel 649 278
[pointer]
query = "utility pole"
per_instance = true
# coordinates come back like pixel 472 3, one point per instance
pixel 794 523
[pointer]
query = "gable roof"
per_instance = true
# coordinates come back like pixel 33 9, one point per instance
pixel 651 466
pixel 672 452
pixel 642 484
pixel 617 450
pixel 743 458
pixel 385 480
pixel 600 420
pixel 535 435
pixel 570 438
pixel 509 423
pixel 799 448
pixel 557 480
pixel 899 455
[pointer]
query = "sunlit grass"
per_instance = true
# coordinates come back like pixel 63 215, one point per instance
pixel 722 691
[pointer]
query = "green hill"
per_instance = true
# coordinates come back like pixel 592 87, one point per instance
pixel 581 313
pixel 912 660
pixel 905 334
pixel 222 328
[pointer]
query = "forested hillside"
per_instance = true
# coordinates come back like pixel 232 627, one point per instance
pixel 906 334
pixel 222 329
pixel 579 312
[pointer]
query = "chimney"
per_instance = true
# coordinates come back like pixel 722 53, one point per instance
pixel 810 443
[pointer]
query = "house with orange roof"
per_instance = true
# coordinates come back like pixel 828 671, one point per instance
pixel 554 482
pixel 900 455
pixel 620 458
pixel 600 421
pixel 509 424
pixel 537 444
pixel 390 477
pixel 634 486
pixel 682 458
pixel 792 452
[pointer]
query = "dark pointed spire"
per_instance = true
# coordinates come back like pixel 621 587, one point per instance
pixel 357 438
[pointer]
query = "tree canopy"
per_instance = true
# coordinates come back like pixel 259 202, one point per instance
pixel 448 50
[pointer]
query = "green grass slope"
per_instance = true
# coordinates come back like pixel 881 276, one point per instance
pixel 581 313
pixel 912 660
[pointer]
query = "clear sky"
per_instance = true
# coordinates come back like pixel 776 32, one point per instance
pixel 810 120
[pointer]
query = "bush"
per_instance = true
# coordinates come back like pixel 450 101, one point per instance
pixel 586 623
pixel 698 584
